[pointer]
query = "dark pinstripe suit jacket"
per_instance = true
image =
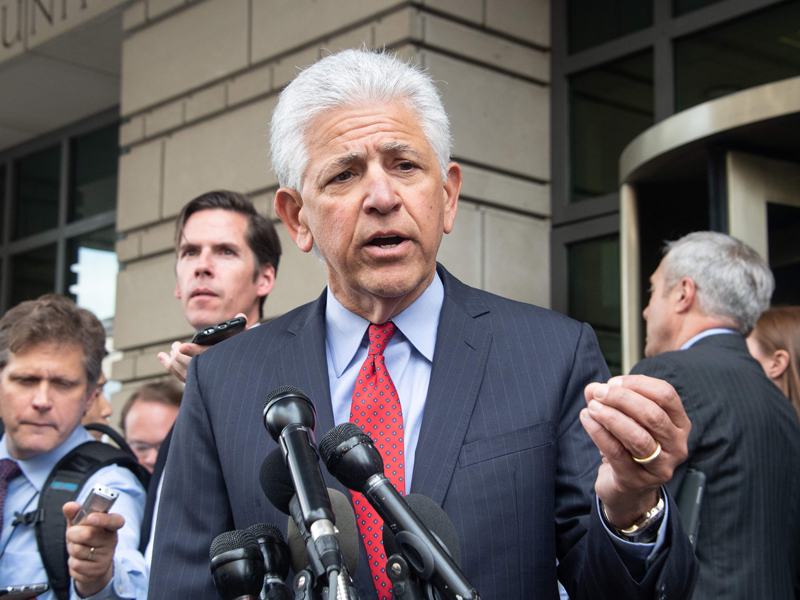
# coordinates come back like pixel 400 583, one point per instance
pixel 501 449
pixel 746 439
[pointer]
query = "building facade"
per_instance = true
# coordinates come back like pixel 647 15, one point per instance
pixel 115 114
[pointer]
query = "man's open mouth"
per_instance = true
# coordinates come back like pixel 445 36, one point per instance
pixel 387 242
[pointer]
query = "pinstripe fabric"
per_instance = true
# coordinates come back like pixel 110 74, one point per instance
pixel 501 449
pixel 746 439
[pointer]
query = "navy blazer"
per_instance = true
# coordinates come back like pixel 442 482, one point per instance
pixel 501 449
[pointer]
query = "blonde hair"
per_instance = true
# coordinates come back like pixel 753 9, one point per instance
pixel 779 329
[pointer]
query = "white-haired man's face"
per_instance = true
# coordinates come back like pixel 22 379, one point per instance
pixel 374 202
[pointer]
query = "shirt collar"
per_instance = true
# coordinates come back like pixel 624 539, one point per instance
pixel 703 334
pixel 38 468
pixel 344 330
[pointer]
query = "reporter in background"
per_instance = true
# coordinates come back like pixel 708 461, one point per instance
pixel 99 409
pixel 50 357
pixel 148 416
pixel 226 262
pixel 775 343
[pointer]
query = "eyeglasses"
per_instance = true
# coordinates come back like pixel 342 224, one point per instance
pixel 143 447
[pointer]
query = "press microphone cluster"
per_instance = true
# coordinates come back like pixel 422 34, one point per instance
pixel 351 457
pixel 251 564
pixel 237 565
pixel 290 419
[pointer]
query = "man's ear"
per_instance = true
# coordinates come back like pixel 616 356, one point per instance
pixel 265 280
pixel 684 295
pixel 779 362
pixel 290 209
pixel 452 187
pixel 177 291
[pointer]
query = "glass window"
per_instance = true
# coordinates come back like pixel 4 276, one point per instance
pixel 750 51
pixel 609 106
pixel 594 293
pixel 681 7
pixel 91 277
pixel 36 205
pixel 33 273
pixel 592 22
pixel 783 226
pixel 94 173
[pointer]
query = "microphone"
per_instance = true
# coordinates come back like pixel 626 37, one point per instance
pixel 276 560
pixel 347 533
pixel 276 481
pixel 237 565
pixel 435 519
pixel 352 458
pixel 290 418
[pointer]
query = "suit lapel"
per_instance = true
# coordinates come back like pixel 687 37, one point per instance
pixel 462 349
pixel 302 362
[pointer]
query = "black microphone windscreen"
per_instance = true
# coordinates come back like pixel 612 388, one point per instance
pixel 235 540
pixel 266 530
pixel 276 481
pixel 348 535
pixel 435 519
pixel 286 389
pixel 336 436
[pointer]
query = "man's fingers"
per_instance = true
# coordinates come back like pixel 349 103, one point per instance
pixel 189 350
pixel 631 435
pixel 70 509
pixel 639 409
pixel 605 442
pixel 657 390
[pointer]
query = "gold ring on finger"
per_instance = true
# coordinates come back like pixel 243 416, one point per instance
pixel 651 458
pixel 91 553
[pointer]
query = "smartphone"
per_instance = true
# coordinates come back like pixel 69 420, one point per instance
pixel 689 501
pixel 100 499
pixel 23 592
pixel 221 331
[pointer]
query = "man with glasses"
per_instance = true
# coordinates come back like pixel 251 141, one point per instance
pixel 147 417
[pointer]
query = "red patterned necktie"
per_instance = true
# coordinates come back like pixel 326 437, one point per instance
pixel 8 470
pixel 376 409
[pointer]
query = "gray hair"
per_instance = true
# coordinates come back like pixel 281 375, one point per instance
pixel 352 78
pixel 732 282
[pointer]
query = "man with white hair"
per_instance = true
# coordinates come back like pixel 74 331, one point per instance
pixel 706 296
pixel 483 401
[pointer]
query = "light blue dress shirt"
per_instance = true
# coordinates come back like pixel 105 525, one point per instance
pixel 408 357
pixel 409 360
pixel 20 562
pixel 704 334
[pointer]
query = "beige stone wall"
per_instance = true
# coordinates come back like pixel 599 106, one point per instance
pixel 199 82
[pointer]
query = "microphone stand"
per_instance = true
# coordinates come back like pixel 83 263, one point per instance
pixel 305 587
pixel 404 583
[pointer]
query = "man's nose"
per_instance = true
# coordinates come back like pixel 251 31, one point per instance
pixel 644 312
pixel 42 399
pixel 204 264
pixel 380 193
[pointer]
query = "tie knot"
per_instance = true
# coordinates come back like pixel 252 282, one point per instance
pixel 8 470
pixel 379 336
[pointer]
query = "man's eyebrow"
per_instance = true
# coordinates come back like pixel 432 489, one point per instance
pixel 186 245
pixel 399 148
pixel 337 163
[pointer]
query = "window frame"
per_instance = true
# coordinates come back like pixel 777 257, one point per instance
pixel 63 231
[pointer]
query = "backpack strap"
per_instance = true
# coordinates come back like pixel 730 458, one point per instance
pixel 63 485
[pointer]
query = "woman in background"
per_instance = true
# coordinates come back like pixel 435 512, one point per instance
pixel 775 343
